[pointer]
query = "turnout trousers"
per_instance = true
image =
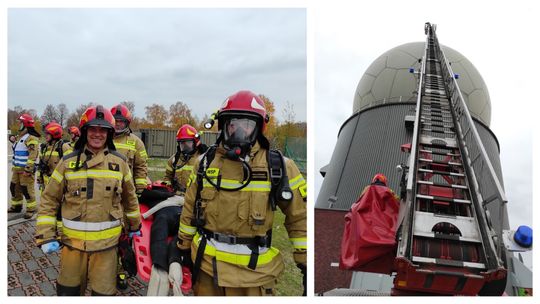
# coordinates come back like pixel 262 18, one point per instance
pixel 205 287
pixel 22 186
pixel 76 266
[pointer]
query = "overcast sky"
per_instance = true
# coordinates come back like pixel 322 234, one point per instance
pixel 499 41
pixel 197 56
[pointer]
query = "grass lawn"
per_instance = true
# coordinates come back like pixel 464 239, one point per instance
pixel 290 281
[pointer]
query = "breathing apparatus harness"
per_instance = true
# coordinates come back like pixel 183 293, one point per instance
pixel 43 165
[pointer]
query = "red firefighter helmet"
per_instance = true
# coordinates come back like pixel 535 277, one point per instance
pixel 187 132
pixel 74 130
pixel 54 129
pixel 120 111
pixel 243 103
pixel 379 177
pixel 27 120
pixel 96 116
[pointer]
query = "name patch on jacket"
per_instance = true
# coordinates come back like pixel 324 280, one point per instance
pixel 114 167
pixel 259 176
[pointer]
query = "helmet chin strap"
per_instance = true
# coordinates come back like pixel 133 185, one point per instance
pixel 124 130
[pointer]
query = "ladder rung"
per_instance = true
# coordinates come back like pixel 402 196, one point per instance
pixel 439 163
pixel 439 93
pixel 445 262
pixel 437 101
pixel 446 237
pixel 438 125
pixel 442 185
pixel 441 172
pixel 435 119
pixel 443 199
pixel 436 110
pixel 437 114
pixel 439 153
pixel 439 146
pixel 438 131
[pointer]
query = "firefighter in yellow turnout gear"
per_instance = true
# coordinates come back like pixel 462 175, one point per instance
pixel 226 224
pixel 25 153
pixel 95 189
pixel 180 165
pixel 74 133
pixel 50 155
pixel 130 146
pixel 133 149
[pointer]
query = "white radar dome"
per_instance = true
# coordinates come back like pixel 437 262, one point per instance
pixel 388 79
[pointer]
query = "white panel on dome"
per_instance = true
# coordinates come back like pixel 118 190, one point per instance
pixel 403 83
pixel 382 85
pixel 376 67
pixel 464 81
pixel 364 86
pixel 401 60
pixel 476 104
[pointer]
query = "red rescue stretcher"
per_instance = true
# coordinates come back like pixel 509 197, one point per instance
pixel 141 246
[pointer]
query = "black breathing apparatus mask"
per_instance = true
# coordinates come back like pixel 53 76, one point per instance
pixel 239 135
pixel 187 147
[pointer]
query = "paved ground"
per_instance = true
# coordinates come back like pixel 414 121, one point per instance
pixel 32 273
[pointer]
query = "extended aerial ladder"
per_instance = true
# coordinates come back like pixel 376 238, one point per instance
pixel 446 241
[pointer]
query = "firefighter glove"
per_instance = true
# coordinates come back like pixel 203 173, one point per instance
pixel 303 270
pixel 134 233
pixel 50 247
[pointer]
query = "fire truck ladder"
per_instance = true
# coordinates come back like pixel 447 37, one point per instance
pixel 446 244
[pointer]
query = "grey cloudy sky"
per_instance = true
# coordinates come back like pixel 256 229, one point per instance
pixel 498 40
pixel 197 56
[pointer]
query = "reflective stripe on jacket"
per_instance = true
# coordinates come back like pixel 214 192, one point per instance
pixel 132 147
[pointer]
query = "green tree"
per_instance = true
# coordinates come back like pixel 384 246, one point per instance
pixel 156 116
pixel 179 114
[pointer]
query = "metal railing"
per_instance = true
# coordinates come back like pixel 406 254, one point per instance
pixel 405 243
pixel 485 184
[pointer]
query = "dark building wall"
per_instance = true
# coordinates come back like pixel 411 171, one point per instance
pixel 369 143
pixel 328 233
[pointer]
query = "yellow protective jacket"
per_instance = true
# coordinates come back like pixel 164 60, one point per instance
pixel 133 149
pixel 93 200
pixel 183 171
pixel 25 160
pixel 246 213
pixel 68 147
pixel 51 157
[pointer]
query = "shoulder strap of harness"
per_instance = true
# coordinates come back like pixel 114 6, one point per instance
pixel 199 220
pixel 278 178
pixel 174 181
pixel 59 148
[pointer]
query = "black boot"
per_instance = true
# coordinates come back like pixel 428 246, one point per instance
pixel 121 281
pixel 15 209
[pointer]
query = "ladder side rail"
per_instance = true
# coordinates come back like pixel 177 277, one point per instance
pixel 482 164
pixel 405 244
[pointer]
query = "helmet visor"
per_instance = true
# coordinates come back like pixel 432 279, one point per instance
pixel 239 131
pixel 187 146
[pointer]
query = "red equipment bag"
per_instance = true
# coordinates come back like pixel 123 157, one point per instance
pixel 369 238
